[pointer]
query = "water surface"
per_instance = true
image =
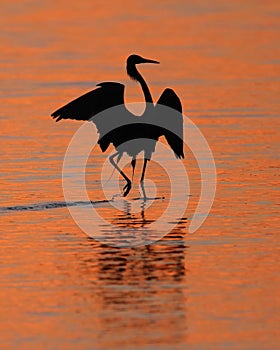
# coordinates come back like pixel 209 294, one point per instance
pixel 214 289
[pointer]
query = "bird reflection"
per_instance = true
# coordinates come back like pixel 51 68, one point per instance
pixel 166 259
pixel 129 219
pixel 142 288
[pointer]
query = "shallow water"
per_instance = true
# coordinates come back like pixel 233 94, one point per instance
pixel 214 289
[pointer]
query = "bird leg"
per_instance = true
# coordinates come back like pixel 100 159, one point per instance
pixel 127 187
pixel 133 163
pixel 142 179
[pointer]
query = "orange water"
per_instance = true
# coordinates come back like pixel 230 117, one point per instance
pixel 214 289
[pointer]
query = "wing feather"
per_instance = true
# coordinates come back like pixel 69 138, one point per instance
pixel 107 95
pixel 96 106
pixel 171 120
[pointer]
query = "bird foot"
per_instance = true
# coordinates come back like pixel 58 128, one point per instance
pixel 143 190
pixel 127 189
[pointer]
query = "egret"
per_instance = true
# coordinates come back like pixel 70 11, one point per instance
pixel 163 119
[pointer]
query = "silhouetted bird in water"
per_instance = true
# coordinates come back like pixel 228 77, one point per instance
pixel 118 125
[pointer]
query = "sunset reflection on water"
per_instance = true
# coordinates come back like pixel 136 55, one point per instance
pixel 214 289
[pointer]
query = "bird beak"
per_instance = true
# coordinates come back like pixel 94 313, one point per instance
pixel 150 61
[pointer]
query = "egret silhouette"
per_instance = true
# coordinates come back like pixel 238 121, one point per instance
pixel 123 129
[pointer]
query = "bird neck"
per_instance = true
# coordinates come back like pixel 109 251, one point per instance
pixel 135 75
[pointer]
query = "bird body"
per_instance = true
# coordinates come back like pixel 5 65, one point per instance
pixel 105 107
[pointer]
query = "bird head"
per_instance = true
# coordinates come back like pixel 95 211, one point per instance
pixel 131 62
pixel 136 59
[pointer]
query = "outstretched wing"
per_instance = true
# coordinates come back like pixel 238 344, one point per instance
pixel 171 120
pixel 89 105
pixel 108 94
